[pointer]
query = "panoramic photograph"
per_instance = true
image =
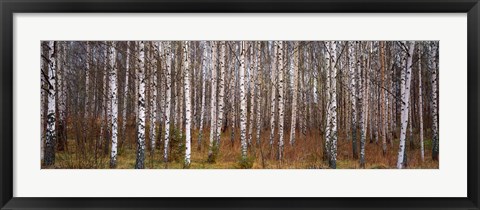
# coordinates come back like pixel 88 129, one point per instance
pixel 214 104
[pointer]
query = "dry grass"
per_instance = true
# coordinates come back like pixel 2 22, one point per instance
pixel 307 153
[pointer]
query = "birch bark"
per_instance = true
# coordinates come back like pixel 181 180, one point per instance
pixel 141 110
pixel 406 74
pixel 243 103
pixel 114 102
pixel 187 104
pixel 49 156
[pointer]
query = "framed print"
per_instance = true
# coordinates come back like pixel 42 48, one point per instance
pixel 239 105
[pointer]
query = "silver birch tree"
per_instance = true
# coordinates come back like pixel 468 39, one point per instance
pixel 361 70
pixel 295 63
pixel 141 109
pixel 49 156
pixel 202 112
pixel 281 101
pixel 114 102
pixel 432 66
pixel 213 103
pixel 406 75
pixel 168 100
pixel 243 103
pixel 153 98
pixel 187 104
pixel 273 93
pixel 221 93
pixel 353 87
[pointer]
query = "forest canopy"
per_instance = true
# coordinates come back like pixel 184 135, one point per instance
pixel 239 104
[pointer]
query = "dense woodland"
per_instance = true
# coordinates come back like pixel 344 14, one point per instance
pixel 239 104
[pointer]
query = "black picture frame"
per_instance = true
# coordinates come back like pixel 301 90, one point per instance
pixel 9 7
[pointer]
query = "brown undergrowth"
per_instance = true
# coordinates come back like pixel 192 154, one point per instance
pixel 306 153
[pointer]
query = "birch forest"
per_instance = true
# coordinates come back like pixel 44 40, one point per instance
pixel 239 104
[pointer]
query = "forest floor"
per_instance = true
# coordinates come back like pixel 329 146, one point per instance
pixel 306 154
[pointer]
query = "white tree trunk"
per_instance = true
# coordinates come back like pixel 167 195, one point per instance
pixel 243 102
pixel 202 112
pixel 187 104
pixel 331 130
pixel 432 65
pixel 353 87
pixel 153 98
pixel 328 129
pixel 361 101
pixel 281 103
pixel 221 93
pixel 141 110
pixel 49 158
pixel 333 106
pixel 273 93
pixel 406 76
pixel 295 63
pixel 213 101
pixel 168 100
pixel 114 101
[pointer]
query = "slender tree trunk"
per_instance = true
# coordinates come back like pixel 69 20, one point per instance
pixel 420 103
pixel 153 99
pixel 202 113
pixel 109 104
pixel 281 103
pixel 405 93
pixel 233 96
pixel 180 95
pixel 332 113
pixel 258 91
pixel 243 103
pixel 104 127
pixel 168 101
pixel 432 49
pixel 87 90
pixel 353 75
pixel 252 69
pixel 295 93
pixel 49 158
pixel 273 93
pixel 382 98
pixel 361 103
pixel 213 104
pixel 221 93
pixel 187 104
pixel 161 88
pixel 141 110
pixel 114 102
pixel 125 97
